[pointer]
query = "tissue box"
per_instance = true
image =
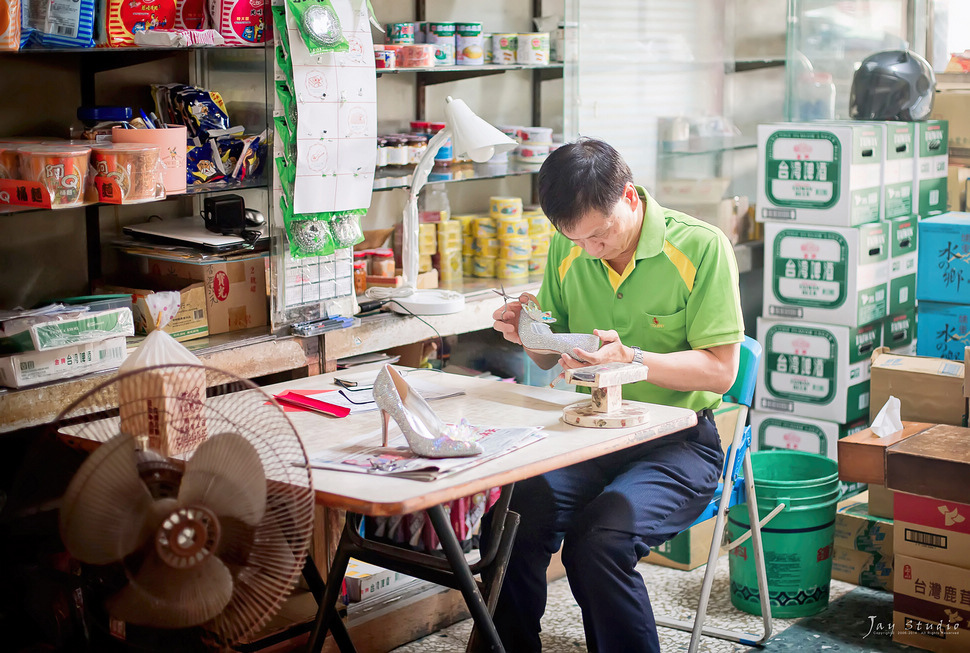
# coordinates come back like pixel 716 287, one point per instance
pixel 862 568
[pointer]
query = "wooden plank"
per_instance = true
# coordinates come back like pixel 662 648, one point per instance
pixel 608 374
pixel 862 455
pixel 934 463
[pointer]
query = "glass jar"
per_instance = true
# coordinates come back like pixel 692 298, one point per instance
pixel 397 151
pixel 381 152
pixel 420 127
pixel 417 146
pixel 360 277
pixel 382 262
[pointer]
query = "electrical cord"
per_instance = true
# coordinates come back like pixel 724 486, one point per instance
pixel 441 341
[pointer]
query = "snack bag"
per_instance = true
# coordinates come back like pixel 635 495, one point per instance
pixel 165 406
pixel 125 18
pixel 190 14
pixel 242 22
pixel 9 24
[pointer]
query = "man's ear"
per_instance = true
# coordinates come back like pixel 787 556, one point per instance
pixel 630 194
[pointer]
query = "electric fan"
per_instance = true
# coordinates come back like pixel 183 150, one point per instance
pixel 208 539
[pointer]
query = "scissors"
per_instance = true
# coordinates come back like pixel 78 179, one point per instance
pixel 531 308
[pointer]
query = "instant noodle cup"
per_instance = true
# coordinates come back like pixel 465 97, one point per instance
pixel 135 166
pixel 419 55
pixel 9 160
pixel 62 169
pixel 171 151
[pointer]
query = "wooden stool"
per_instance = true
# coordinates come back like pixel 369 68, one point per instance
pixel 606 409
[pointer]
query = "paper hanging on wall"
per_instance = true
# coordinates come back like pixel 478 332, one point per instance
pixel 336 99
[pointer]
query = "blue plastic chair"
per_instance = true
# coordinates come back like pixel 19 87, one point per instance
pixel 741 487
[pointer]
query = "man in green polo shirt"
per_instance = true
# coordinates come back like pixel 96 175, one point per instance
pixel 658 288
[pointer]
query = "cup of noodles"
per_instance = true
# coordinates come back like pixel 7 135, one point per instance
pixel 62 169
pixel 533 48
pixel 416 56
pixel 134 166
pixel 171 151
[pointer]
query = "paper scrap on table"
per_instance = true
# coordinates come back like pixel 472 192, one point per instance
pixel 888 421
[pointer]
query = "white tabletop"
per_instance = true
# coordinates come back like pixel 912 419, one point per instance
pixel 485 402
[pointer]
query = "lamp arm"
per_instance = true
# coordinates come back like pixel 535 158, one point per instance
pixel 409 248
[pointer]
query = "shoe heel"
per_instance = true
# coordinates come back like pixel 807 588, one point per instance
pixel 385 425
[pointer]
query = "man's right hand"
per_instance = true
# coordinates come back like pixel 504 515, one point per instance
pixel 507 318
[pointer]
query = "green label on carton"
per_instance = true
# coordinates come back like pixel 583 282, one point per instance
pixel 779 433
pixel 904 236
pixel 810 268
pixel 899 199
pixel 933 138
pixel 932 196
pixel 872 304
pixel 902 295
pixel 800 363
pixel 803 169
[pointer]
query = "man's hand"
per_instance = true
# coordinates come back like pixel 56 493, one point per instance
pixel 611 351
pixel 507 319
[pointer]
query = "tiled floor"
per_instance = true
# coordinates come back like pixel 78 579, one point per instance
pixel 674 593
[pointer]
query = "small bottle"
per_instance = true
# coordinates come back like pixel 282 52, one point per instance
pixel 433 204
pixel 445 153
pixel 417 146
pixel 360 277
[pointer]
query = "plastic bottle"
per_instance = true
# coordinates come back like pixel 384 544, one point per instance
pixel 433 204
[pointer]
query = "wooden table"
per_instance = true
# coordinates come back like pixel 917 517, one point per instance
pixel 484 402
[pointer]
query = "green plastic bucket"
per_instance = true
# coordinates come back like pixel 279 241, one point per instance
pixel 797 541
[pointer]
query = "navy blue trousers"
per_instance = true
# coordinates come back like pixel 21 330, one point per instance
pixel 605 512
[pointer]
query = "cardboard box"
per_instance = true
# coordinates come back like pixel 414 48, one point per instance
pixel 776 431
pixel 943 263
pixel 929 183
pixel 934 463
pixel 826 174
pixel 880 501
pixel 953 107
pixel 903 245
pixel 834 275
pixel 942 330
pixel 899 168
pixel 190 321
pixel 235 290
pixel 930 608
pixel 899 335
pixel 928 389
pixel 862 568
pixel 932 529
pixel 364 581
pixel 856 529
pixel 33 367
pixel 816 370
pixel 862 455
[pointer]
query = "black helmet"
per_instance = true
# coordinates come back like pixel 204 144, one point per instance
pixel 892 85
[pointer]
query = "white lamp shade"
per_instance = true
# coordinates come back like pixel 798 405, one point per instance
pixel 472 136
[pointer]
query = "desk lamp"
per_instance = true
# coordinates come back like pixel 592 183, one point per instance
pixel 471 137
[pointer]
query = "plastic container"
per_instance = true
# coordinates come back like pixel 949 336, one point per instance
pixel 419 55
pixel 360 277
pixel 420 127
pixel 397 151
pixel 797 542
pixel 417 146
pixel 134 166
pixel 171 148
pixel 433 205
pixel 62 169
pixel 815 97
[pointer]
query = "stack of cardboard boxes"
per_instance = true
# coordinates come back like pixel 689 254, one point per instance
pixel 840 202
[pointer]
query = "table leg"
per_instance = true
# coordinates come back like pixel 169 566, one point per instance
pixel 327 617
pixel 465 580
pixel 494 575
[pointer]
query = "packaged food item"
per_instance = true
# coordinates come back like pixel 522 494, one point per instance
pixel 450 266
pixel 511 226
pixel 533 49
pixel 484 227
pixel 62 169
pixel 9 160
pixel 424 263
pixel 249 165
pixel 60 24
pixel 516 249
pixel 9 24
pixel 135 167
pixel 442 37
pixel 488 247
pixel 483 267
pixel 511 270
pixel 203 165
pixel 537 265
pixel 469 44
pixel 418 55
pixel 468 266
pixel 504 48
pixel 382 262
pixel 508 206
pixel 190 14
pixel 427 239
pixel 360 277
pixel 171 144
pixel 400 33
pixel 124 18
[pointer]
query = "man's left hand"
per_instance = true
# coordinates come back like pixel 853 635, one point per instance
pixel 611 351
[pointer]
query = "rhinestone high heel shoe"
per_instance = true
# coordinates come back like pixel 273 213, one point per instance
pixel 426 434
pixel 535 334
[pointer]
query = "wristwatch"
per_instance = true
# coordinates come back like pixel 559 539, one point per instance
pixel 637 355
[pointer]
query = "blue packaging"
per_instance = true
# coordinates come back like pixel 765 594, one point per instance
pixel 65 24
pixel 942 330
pixel 943 267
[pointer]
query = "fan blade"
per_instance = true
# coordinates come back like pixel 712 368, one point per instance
pixel 164 597
pixel 105 505
pixel 226 475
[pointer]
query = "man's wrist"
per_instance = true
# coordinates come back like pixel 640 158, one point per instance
pixel 636 355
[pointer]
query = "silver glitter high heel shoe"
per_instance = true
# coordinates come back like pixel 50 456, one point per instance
pixel 426 434
pixel 535 334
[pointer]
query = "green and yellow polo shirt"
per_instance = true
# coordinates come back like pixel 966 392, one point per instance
pixel 679 292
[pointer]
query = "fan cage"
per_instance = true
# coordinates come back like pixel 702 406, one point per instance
pixel 231 404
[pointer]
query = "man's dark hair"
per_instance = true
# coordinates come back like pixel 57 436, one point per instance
pixel 588 175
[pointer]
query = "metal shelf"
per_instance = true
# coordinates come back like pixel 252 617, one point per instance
pixel 400 176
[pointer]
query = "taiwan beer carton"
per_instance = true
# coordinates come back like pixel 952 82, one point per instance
pixel 834 275
pixel 942 330
pixel 816 370
pixel 899 333
pixel 856 529
pixel 775 431
pixel 930 605
pixel 929 183
pixel 899 168
pixel 903 240
pixel 824 174
pixel 862 568
pixel 943 262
